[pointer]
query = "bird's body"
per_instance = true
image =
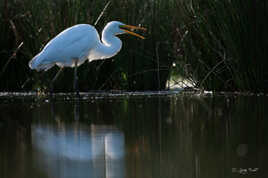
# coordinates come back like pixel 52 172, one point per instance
pixel 76 44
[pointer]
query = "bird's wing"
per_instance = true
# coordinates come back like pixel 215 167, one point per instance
pixel 73 43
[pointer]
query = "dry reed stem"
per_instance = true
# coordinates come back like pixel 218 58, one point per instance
pixel 10 58
pixel 102 12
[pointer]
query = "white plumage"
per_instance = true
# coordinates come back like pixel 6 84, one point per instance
pixel 79 43
pixel 76 44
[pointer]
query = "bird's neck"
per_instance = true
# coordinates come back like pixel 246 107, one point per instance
pixel 109 46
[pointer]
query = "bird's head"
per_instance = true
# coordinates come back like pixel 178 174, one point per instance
pixel 117 28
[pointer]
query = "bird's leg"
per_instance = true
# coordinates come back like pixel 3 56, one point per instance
pixel 75 78
pixel 53 80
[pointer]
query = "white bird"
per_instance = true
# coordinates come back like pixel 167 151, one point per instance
pixel 76 44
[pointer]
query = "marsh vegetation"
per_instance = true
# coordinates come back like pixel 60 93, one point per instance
pixel 218 45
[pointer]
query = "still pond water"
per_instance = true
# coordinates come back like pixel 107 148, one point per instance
pixel 142 136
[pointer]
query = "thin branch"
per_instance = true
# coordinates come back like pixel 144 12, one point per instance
pixel 14 29
pixel 10 58
pixel 212 70
pixel 158 65
pixel 102 12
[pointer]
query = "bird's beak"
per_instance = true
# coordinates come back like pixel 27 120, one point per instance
pixel 130 28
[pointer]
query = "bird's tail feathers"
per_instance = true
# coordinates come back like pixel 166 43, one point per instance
pixel 38 63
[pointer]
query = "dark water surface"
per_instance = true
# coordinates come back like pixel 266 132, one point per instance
pixel 165 136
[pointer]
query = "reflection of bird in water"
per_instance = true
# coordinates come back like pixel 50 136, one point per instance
pixel 79 150
pixel 76 44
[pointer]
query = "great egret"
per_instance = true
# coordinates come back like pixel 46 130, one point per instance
pixel 76 44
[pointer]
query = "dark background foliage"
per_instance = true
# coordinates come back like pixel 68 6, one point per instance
pixel 218 45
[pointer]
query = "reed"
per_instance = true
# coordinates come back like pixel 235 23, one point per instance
pixel 213 43
pixel 224 46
